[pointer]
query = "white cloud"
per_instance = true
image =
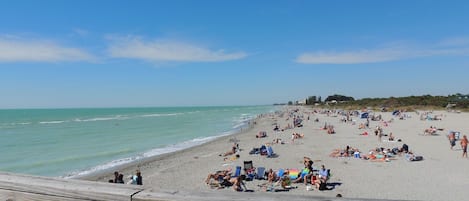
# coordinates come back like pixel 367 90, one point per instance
pixel 158 50
pixel 80 32
pixel 13 49
pixel 385 54
pixel 352 57
pixel 455 41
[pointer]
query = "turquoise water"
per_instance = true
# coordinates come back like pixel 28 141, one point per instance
pixel 71 142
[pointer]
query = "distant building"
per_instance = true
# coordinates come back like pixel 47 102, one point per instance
pixel 301 102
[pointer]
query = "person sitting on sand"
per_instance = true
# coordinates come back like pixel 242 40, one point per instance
pixel 285 181
pixel 139 178
pixel 307 172
pixel 391 137
pixel 136 179
pixel 120 179
pixel 404 148
pixel 430 131
pixel 276 128
pixel 377 130
pixel 232 151
pixel 315 181
pixel 271 176
pixel 297 135
pixel 236 182
pixel 361 126
pixel 277 141
pixel 261 134
pixel 116 177
pixel 323 173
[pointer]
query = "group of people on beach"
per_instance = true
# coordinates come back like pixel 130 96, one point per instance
pixel 134 179
pixel 224 178
pixel 453 137
pixel 283 178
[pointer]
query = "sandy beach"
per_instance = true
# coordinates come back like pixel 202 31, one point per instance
pixel 440 176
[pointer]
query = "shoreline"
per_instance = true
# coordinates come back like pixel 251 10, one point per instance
pixel 398 179
pixel 126 167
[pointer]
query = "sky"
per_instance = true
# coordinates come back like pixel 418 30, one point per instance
pixel 106 53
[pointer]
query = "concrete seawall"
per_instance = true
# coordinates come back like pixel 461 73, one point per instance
pixel 18 187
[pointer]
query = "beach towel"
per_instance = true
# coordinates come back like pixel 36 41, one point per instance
pixel 293 173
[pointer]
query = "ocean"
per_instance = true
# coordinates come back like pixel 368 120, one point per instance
pixel 73 142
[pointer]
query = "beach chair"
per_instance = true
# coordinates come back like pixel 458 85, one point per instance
pixel 270 152
pixel 249 170
pixel 248 166
pixel 237 173
pixel 280 173
pixel 260 173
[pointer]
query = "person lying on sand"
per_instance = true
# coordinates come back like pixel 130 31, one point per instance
pixel 232 158
pixel 232 151
pixel 236 182
pixel 218 175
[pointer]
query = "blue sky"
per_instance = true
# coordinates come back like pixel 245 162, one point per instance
pixel 56 54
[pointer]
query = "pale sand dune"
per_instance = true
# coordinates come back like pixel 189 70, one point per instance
pixel 442 175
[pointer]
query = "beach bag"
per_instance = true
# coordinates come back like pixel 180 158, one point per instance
pixel 418 158
pixel 322 186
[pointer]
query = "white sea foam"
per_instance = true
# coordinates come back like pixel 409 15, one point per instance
pixel 160 115
pixel 22 123
pixel 51 122
pixel 15 124
pixel 151 153
pixel 118 117
pixel 105 166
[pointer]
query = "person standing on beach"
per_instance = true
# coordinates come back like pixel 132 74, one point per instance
pixel 464 142
pixel 452 139
pixel 380 135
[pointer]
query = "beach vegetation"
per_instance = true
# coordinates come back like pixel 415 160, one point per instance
pixel 408 103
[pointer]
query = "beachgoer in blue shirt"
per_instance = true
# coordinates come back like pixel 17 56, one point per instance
pixel 323 173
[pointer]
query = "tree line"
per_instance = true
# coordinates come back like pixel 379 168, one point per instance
pixel 457 100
